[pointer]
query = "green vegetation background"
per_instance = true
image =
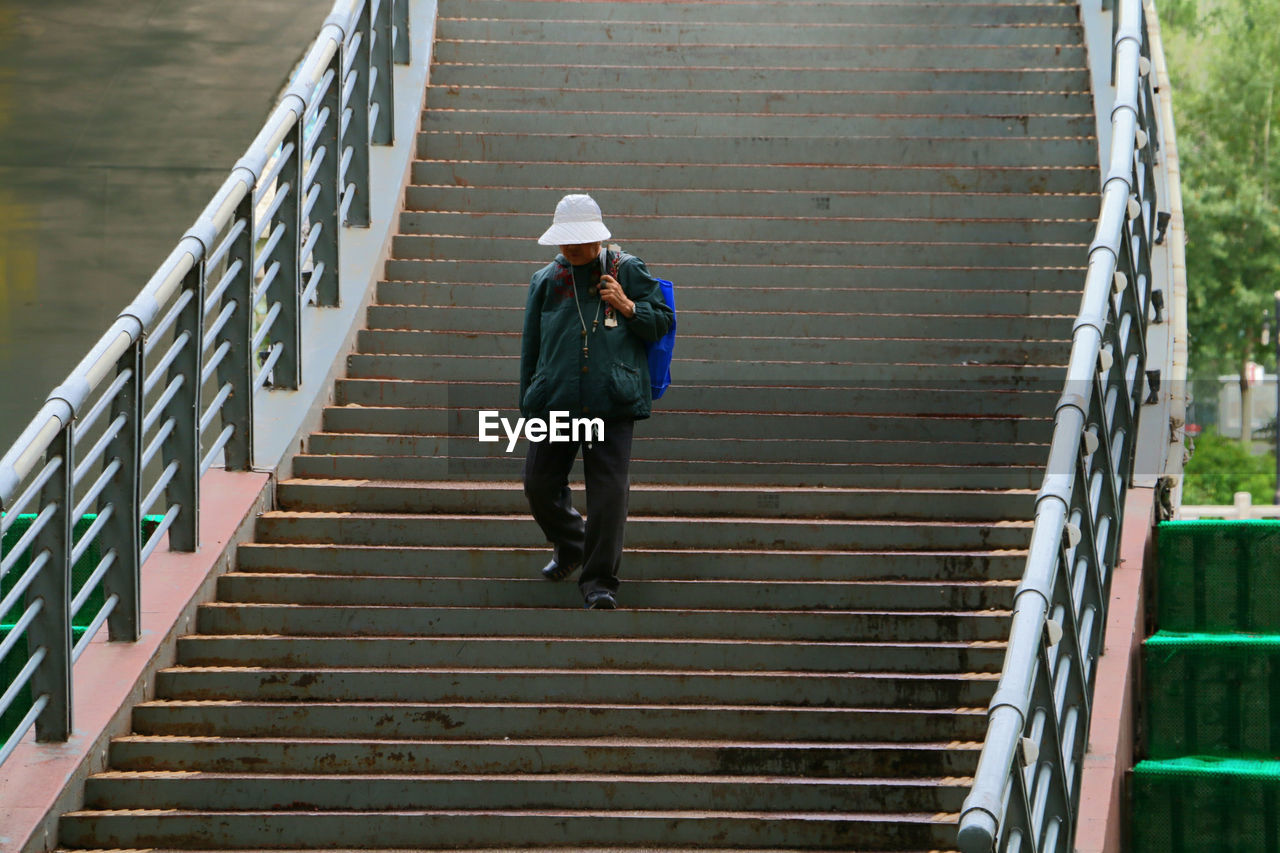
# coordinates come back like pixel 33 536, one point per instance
pixel 1223 58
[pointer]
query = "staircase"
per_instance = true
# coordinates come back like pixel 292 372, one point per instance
pixel 876 215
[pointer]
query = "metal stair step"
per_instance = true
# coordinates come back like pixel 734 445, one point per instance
pixel 868 12
pixel 511 684
pixel 938 203
pixel 260 588
pixel 376 792
pixel 727 473
pixel 795 275
pixel 478 117
pixel 575 848
pixel 940 30
pixel 690 250
pixel 815 227
pixel 326 620
pixel 740 394
pixel 777 150
pixel 676 450
pixel 653 563
pixel 884 350
pixel 620 72
pixel 699 372
pixel 808 102
pixel 358 721
pixel 734 323
pixel 678 422
pixel 645 531
pixel 492 652
pixel 646 829
pixel 822 180
pixel 871 54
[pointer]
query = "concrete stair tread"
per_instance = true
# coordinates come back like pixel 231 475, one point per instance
pixel 654 622
pixel 469 849
pixel 654 563
pixel 246 718
pixel 597 673
pixel 177 775
pixel 613 178
pixel 642 519
pixel 509 486
pixel 655 743
pixel 500 640
pixel 645 10
pixel 525 791
pixel 534 592
pixel 628 33
pixel 578 653
pixel 567 813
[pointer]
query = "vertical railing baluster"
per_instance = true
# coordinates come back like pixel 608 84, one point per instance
pixel 123 531
pixel 183 445
pixel 287 286
pixel 381 58
pixel 237 367
pixel 402 32
pixel 51 628
pixel 329 180
pixel 357 135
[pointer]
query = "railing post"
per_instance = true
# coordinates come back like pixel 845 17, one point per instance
pixel 329 180
pixel 51 628
pixel 357 132
pixel 402 32
pixel 123 531
pixel 381 73
pixel 183 445
pixel 287 286
pixel 237 367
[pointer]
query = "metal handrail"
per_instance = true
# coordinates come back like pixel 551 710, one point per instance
pixel 1027 785
pixel 191 352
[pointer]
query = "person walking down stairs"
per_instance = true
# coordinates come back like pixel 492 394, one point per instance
pixel 575 365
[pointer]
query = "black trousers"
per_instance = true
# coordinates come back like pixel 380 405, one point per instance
pixel 596 544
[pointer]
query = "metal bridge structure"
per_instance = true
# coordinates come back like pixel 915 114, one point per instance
pixel 261 586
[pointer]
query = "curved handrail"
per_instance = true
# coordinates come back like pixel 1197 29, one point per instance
pixel 168 390
pixel 1027 785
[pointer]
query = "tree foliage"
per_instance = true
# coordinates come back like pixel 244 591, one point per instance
pixel 1224 68
pixel 1221 466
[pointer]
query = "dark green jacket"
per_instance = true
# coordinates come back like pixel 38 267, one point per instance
pixel 612 381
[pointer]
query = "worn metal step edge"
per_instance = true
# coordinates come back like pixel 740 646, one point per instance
pixel 360 560
pixel 460 720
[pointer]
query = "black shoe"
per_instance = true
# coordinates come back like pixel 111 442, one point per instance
pixel 554 571
pixel 601 599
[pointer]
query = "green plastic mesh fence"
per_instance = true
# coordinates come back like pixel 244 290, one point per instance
pixel 17 657
pixel 1206 805
pixel 1219 576
pixel 1212 694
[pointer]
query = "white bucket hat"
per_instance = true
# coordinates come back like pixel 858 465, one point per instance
pixel 577 220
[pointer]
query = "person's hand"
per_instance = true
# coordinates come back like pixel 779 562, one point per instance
pixel 611 292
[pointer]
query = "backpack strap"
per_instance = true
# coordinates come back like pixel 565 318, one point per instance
pixel 617 261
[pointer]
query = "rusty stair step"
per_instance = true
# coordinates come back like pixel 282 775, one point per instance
pixel 566 753
pixel 654 563
pixel 572 621
pixel 479 827
pixel 508 497
pixel 494 721
pixel 535 592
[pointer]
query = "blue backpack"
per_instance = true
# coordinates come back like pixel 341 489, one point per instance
pixel 661 350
